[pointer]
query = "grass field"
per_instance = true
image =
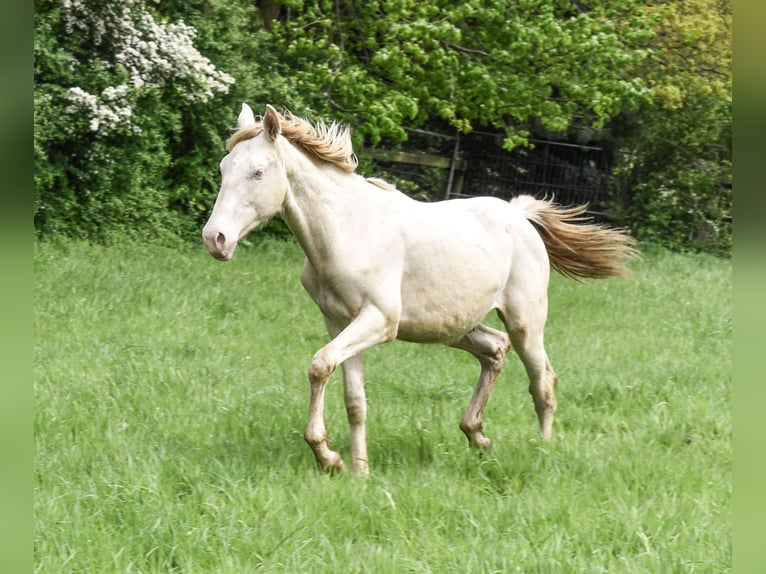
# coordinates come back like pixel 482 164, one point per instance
pixel 171 396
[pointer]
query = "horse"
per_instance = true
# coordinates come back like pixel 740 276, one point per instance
pixel 381 265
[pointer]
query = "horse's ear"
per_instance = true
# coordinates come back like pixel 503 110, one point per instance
pixel 246 117
pixel 271 124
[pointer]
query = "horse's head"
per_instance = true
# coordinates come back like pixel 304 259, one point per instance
pixel 253 183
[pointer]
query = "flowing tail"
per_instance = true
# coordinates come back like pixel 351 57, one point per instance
pixel 577 248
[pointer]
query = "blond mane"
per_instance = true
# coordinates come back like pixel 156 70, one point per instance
pixel 330 143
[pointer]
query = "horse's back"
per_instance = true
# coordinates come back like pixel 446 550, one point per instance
pixel 480 226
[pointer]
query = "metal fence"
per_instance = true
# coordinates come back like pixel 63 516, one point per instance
pixel 436 166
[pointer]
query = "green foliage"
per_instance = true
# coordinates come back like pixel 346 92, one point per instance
pixel 102 188
pixel 674 186
pixel 170 397
pixel 675 183
pixel 131 147
pixel 691 54
pixel 141 164
pixel 382 64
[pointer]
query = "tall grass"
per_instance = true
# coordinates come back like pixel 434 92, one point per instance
pixel 171 397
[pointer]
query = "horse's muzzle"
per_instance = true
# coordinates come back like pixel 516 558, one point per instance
pixel 217 243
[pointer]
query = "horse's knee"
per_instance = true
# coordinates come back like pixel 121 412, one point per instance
pixel 495 359
pixel 503 348
pixel 356 412
pixel 320 369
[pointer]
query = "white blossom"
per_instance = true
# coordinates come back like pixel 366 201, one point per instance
pixel 153 53
pixel 106 112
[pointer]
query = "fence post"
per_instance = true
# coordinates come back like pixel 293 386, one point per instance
pixel 452 165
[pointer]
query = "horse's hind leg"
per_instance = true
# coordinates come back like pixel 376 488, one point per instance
pixel 489 346
pixel 543 391
pixel 526 331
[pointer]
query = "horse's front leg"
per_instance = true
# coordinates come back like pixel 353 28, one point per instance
pixel 316 433
pixel 356 409
pixel 369 328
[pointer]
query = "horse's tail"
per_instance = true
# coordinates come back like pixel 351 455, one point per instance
pixel 576 246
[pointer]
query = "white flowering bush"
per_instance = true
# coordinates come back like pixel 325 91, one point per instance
pixel 105 112
pixel 131 41
pixel 131 111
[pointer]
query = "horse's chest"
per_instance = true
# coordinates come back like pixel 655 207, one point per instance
pixel 340 300
pixel 338 295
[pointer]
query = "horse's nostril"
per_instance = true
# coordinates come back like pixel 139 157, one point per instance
pixel 220 240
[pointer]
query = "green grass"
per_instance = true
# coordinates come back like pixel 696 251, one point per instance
pixel 171 397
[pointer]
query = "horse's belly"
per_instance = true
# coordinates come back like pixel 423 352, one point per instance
pixel 445 311
pixel 445 329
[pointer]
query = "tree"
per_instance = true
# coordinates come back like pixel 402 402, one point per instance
pixel 674 183
pixel 691 53
pixel 133 98
pixel 385 63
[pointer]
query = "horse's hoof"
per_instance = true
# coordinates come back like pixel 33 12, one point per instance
pixel 335 465
pixel 482 443
pixel 486 445
pixel 361 471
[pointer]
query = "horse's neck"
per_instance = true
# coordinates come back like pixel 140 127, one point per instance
pixel 321 207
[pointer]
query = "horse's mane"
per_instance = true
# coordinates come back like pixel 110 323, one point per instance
pixel 381 183
pixel 330 143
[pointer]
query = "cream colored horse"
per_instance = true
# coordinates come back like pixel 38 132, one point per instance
pixel 382 266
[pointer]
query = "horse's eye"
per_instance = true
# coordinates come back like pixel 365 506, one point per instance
pixel 258 173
